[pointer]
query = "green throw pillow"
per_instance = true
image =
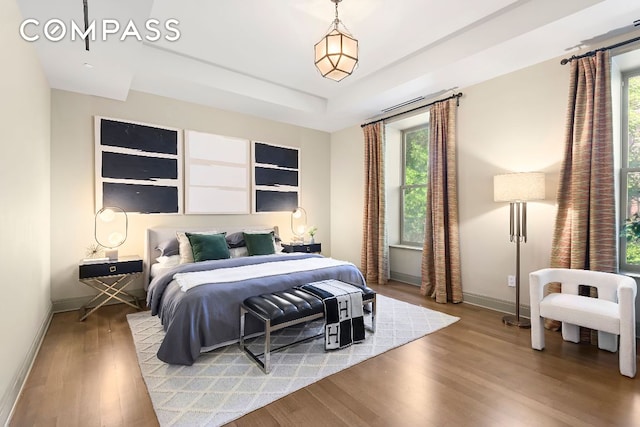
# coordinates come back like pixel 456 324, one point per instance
pixel 208 246
pixel 259 244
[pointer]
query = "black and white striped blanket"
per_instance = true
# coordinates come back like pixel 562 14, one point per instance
pixel 342 310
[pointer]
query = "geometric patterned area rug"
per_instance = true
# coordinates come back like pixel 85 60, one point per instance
pixel 225 384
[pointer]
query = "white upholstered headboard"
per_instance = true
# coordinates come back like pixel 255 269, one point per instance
pixel 157 235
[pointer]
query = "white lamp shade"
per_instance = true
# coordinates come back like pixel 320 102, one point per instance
pixel 518 187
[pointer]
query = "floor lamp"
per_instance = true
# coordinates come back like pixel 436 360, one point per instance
pixel 517 189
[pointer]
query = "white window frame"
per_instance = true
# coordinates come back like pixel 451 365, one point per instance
pixel 625 171
pixel 404 186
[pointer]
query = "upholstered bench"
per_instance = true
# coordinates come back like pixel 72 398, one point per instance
pixel 291 307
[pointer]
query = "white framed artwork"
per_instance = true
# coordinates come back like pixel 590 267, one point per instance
pixel 217 174
pixel 276 177
pixel 138 166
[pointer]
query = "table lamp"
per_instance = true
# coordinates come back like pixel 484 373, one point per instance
pixel 111 225
pixel 298 224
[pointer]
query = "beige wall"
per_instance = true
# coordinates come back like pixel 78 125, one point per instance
pixel 512 123
pixel 347 186
pixel 72 176
pixel 24 205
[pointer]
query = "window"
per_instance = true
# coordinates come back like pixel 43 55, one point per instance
pixel 415 161
pixel 630 170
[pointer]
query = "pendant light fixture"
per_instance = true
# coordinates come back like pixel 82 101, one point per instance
pixel 336 55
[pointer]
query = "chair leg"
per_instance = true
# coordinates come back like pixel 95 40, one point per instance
pixel 628 355
pixel 607 341
pixel 570 332
pixel 537 333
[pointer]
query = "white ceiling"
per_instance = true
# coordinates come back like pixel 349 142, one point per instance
pixel 256 56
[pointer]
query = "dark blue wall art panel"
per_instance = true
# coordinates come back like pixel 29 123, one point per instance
pixel 128 166
pixel 270 176
pixel 276 201
pixel 276 177
pixel 138 167
pixel 278 156
pixel 141 198
pixel 138 137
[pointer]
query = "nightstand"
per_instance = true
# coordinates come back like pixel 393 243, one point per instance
pixel 309 248
pixel 109 278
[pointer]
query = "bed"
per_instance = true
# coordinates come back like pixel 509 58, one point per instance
pixel 198 303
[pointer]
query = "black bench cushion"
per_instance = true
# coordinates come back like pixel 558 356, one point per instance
pixel 280 307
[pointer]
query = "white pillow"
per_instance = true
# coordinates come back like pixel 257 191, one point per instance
pixel 186 253
pixel 169 261
pixel 238 252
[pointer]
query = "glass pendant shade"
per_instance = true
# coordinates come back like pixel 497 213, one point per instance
pixel 336 55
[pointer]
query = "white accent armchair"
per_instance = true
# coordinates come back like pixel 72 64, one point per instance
pixel 612 314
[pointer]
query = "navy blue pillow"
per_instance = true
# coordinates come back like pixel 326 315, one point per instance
pixel 169 247
pixel 236 240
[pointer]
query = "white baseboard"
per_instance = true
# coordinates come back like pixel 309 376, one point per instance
pixel 469 298
pixel 405 278
pixel 495 304
pixel 506 306
pixel 481 300
pixel 70 304
pixel 10 397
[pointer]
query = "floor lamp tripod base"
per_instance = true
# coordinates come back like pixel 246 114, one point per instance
pixel 518 226
pixel 515 321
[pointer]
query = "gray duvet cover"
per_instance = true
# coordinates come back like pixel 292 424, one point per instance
pixel 209 315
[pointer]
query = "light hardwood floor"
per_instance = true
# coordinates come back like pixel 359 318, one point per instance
pixel 477 372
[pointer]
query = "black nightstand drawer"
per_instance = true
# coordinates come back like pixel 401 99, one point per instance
pixel 308 248
pixel 112 268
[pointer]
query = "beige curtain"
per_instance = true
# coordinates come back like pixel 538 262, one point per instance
pixel 374 259
pixel 585 229
pixel 585 234
pixel 441 251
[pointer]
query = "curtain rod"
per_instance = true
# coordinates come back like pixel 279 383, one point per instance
pixel 455 95
pixel 593 52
